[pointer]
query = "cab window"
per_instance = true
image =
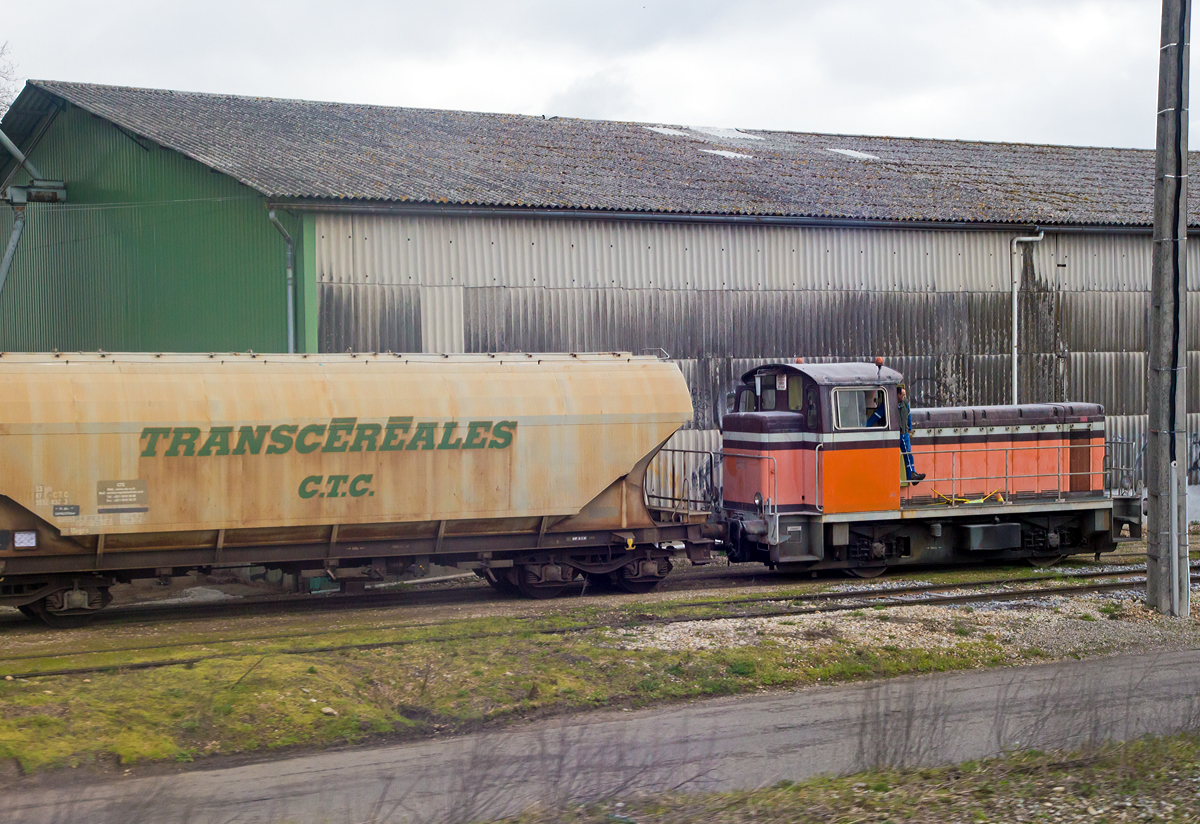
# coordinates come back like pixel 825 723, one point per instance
pixel 811 412
pixel 861 408
pixel 745 401
pixel 768 400
pixel 795 395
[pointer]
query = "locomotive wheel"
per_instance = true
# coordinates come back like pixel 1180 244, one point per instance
pixel 1043 561
pixel 866 572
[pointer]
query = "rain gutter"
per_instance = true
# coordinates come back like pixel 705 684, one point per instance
pixel 429 210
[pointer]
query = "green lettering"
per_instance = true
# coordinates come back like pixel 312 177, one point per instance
pixel 251 439
pixel 365 437
pixel 335 483
pixel 152 434
pixel 338 428
pixel 305 491
pixel 358 486
pixel 302 444
pixel 183 437
pixel 217 442
pixel 477 435
pixel 281 439
pixel 423 436
pixel 502 434
pixel 446 443
pixel 392 442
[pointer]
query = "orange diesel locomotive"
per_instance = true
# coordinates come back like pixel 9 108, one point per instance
pixel 814 476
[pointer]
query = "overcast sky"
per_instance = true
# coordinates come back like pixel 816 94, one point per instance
pixel 1078 72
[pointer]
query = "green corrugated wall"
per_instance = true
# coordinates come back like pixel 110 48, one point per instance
pixel 152 252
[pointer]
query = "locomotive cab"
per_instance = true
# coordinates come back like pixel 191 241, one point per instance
pixel 803 441
pixel 813 476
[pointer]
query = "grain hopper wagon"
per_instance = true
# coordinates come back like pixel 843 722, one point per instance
pixel 526 468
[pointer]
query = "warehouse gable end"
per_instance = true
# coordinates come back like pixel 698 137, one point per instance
pixel 153 252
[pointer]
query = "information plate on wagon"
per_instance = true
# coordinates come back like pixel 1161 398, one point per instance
pixel 121 496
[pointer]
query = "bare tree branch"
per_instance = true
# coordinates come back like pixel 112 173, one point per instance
pixel 9 86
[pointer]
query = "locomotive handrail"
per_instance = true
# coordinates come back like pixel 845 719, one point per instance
pixel 1062 478
pixel 818 487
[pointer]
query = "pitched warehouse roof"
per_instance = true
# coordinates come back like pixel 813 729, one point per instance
pixel 310 150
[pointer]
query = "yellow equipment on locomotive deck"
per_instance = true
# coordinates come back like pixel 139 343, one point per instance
pixel 813 476
pixel 527 468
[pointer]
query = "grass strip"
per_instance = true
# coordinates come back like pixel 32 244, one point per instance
pixel 262 700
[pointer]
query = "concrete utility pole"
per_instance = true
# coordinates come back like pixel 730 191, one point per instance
pixel 1166 453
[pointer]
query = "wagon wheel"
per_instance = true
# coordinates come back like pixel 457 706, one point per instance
pixel 1043 561
pixel 498 581
pixel 637 587
pixel 600 581
pixel 57 620
pixel 866 572
pixel 540 592
pixel 633 587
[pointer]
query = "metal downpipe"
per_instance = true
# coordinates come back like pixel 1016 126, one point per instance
pixel 1015 274
pixel 13 240
pixel 291 285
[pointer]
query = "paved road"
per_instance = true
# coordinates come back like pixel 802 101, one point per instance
pixel 719 744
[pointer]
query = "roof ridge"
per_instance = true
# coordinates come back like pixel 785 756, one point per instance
pixel 647 123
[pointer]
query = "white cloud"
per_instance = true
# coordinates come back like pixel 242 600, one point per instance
pixel 1072 71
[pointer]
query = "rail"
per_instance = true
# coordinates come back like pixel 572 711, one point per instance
pixel 989 485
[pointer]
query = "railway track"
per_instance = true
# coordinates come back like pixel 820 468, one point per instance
pixel 778 606
pixel 465 594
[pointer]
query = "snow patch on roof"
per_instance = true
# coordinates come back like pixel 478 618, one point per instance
pixel 723 153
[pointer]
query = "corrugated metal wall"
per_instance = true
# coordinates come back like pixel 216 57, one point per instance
pixel 153 252
pixel 721 298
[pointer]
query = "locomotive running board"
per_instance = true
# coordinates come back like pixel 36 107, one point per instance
pixel 965 510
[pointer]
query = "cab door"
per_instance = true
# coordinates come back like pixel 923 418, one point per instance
pixel 861 459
